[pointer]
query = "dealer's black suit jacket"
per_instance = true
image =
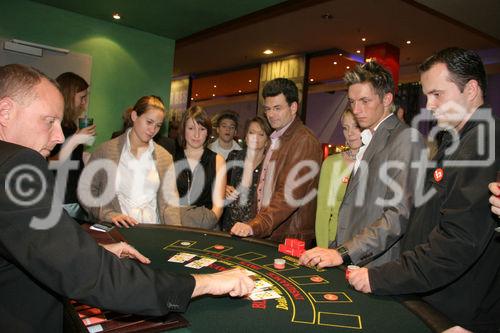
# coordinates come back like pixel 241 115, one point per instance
pixel 39 268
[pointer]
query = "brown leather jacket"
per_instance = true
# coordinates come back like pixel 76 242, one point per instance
pixel 282 218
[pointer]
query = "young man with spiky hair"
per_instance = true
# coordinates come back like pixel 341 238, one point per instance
pixel 374 213
pixel 451 252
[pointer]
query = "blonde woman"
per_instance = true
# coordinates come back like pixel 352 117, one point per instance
pixel 333 180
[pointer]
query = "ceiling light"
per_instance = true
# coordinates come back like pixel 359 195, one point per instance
pixel 116 16
pixel 196 95
pixel 311 79
pixel 239 91
pixel 213 95
pixel 192 98
pixel 334 62
pixel 347 67
pixel 363 39
pixel 408 42
pixel 268 51
pixel 358 51
pixel 340 54
pixel 250 81
pixel 215 86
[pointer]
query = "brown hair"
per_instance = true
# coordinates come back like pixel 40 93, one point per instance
pixel 146 103
pixel 71 84
pixel 198 114
pixel 263 123
pixel 18 81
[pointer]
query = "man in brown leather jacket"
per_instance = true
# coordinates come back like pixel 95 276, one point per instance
pixel 286 194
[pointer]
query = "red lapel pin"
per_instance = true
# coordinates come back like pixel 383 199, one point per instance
pixel 438 174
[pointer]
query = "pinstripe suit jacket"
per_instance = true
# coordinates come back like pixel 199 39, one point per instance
pixel 370 223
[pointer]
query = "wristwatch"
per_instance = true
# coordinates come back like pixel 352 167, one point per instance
pixel 344 253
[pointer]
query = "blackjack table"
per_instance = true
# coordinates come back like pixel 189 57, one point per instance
pixel 310 299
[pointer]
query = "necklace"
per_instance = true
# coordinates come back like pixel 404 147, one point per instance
pixel 351 154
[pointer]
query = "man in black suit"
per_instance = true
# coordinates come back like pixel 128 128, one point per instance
pixel 43 261
pixel 450 253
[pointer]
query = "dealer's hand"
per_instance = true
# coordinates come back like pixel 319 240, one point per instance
pixel 234 282
pixel 124 250
pixel 495 198
pixel 242 230
pixel 358 278
pixel 321 257
pixel 123 220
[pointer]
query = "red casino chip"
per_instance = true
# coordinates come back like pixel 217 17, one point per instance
pixel 330 297
pixel 316 279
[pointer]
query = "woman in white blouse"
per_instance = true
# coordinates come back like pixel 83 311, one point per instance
pixel 141 177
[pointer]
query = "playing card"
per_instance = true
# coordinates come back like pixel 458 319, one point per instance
pixel 182 257
pixel 260 285
pixel 203 262
pixel 266 294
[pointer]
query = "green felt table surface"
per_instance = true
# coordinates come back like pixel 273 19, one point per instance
pixel 302 307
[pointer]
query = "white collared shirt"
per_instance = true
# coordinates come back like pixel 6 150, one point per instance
pixel 216 148
pixel 137 184
pixel 366 138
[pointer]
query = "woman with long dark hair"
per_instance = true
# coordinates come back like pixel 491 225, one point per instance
pixel 244 167
pixel 75 93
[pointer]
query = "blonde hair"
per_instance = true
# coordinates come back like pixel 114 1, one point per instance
pixel 17 82
pixel 372 72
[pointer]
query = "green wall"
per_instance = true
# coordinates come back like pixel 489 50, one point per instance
pixel 126 63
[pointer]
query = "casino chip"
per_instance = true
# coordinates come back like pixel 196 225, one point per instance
pixel 185 243
pixel 316 278
pixel 219 247
pixel 279 263
pixel 330 297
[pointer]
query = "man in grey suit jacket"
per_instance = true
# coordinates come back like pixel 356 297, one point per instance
pixel 380 194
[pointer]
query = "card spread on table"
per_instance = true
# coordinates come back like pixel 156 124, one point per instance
pixel 261 285
pixel 182 257
pixel 203 262
pixel 265 294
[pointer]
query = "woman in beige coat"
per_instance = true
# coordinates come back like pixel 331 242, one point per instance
pixel 130 178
